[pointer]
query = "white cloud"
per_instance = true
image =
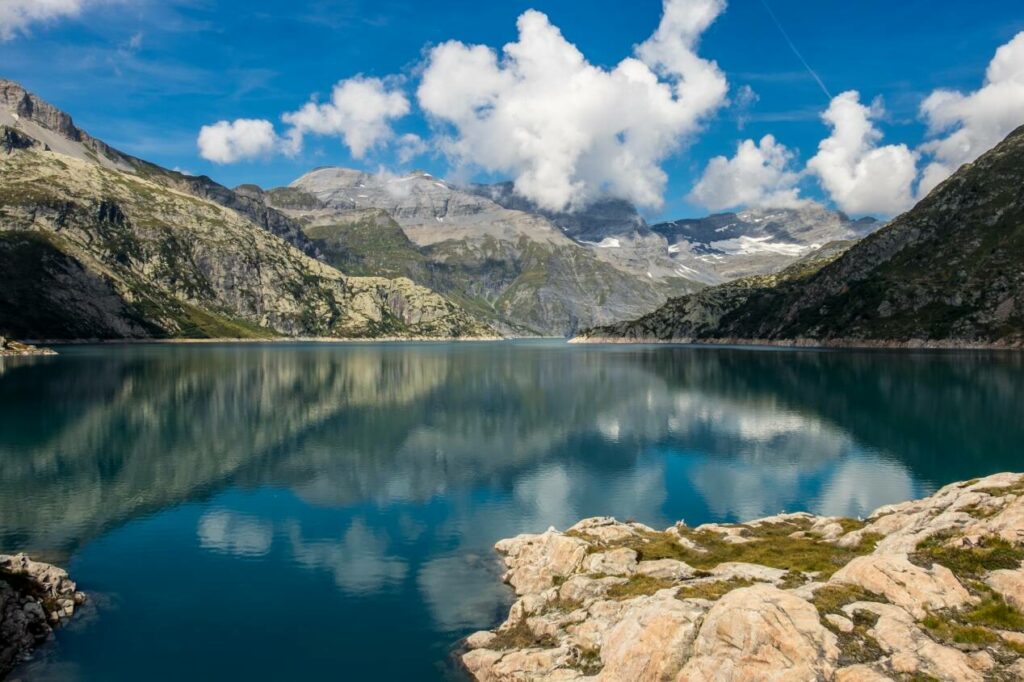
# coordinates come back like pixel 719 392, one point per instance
pixel 17 15
pixel 967 125
pixel 858 174
pixel 569 131
pixel 758 175
pixel 231 141
pixel 360 112
pixel 410 146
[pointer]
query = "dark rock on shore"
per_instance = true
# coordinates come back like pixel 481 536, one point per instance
pixel 35 597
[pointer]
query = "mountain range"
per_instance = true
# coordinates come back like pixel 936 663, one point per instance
pixel 949 272
pixel 98 244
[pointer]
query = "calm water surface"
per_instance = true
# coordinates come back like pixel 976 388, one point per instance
pixel 327 512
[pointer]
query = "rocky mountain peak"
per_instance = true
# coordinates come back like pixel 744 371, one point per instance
pixel 18 101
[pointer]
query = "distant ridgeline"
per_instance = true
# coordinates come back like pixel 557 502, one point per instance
pixel 949 272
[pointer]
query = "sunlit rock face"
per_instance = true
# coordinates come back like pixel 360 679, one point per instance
pixel 787 597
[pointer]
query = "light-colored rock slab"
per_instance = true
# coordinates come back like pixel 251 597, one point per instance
pixel 761 633
pixel 911 587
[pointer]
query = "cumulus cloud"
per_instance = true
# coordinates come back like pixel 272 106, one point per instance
pixel 410 146
pixel 360 112
pixel 17 15
pixel 568 131
pixel 758 175
pixel 231 141
pixel 966 125
pixel 860 175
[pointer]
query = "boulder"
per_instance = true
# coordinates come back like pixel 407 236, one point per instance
pixel 911 587
pixel 761 633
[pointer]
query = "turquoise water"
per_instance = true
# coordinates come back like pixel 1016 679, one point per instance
pixel 327 512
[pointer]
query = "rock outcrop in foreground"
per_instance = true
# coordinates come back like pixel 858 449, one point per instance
pixel 34 598
pixel 925 590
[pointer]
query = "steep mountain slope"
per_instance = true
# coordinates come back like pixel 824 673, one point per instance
pixel 95 244
pixel 56 131
pixel 758 241
pixel 948 272
pixel 514 268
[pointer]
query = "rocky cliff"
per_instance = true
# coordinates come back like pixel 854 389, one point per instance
pixel 95 244
pixel 949 272
pixel 925 590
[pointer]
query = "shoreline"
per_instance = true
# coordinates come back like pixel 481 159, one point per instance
pixel 810 344
pixel 284 339
pixel 923 589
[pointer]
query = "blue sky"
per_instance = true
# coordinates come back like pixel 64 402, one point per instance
pixel 146 75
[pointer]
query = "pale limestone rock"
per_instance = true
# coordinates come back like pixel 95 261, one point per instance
pixel 912 650
pixel 906 524
pixel 1012 637
pixel 839 622
pixel 535 561
pixel 1008 524
pixel 481 639
pixel 584 589
pixel 755 633
pixel 621 561
pixel 526 664
pixel 684 541
pixel 911 587
pixel 860 673
pixel 742 571
pixel 605 529
pixel 666 569
pixel 1009 584
pixel 652 639
pixel 602 616
pixel 729 533
pixel 982 661
pixel 827 529
pixel 761 633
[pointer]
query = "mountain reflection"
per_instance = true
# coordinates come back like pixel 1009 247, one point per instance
pixel 99 436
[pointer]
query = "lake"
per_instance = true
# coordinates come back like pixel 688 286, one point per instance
pixel 308 511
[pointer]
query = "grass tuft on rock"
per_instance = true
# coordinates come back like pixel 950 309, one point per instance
pixel 520 636
pixel 638 586
pixel 858 646
pixel 768 544
pixel 991 554
pixel 832 598
pixel 712 590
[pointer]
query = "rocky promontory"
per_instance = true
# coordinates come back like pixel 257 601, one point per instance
pixel 931 589
pixel 34 598
pixel 9 347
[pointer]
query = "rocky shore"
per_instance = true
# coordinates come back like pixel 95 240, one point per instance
pixel 924 590
pixel 34 598
pixel 9 348
pixel 912 344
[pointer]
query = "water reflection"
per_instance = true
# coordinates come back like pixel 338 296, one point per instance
pixel 389 471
